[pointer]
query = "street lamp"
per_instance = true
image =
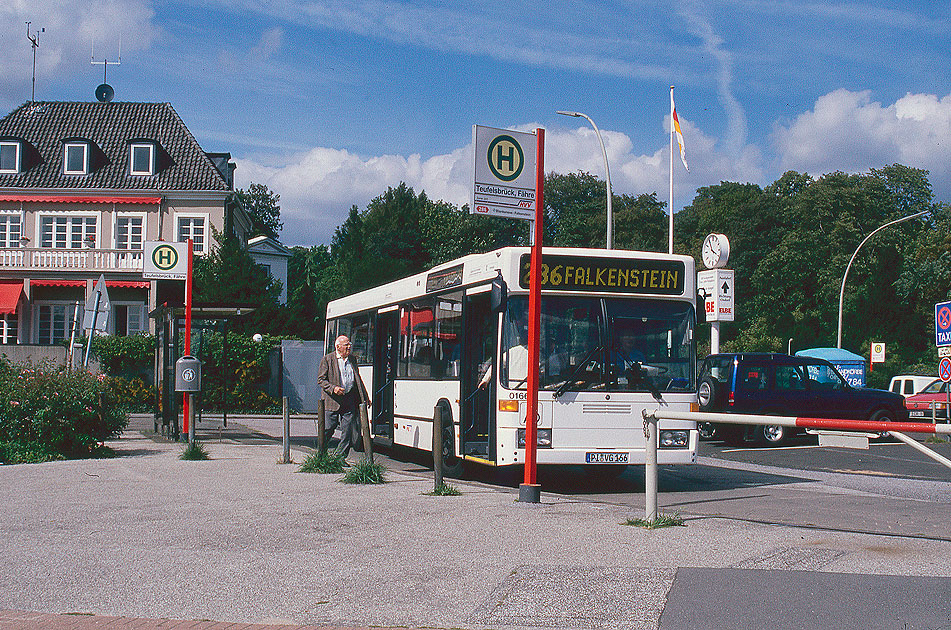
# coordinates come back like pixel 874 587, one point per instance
pixel 851 260
pixel 607 173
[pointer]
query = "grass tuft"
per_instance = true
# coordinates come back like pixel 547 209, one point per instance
pixel 662 520
pixel 444 490
pixel 323 463
pixel 195 451
pixel 365 472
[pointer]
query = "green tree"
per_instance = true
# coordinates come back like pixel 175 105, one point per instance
pixel 263 208
pixel 229 276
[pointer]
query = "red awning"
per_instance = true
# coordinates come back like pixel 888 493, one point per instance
pixel 80 199
pixel 10 292
pixel 56 282
pixel 127 284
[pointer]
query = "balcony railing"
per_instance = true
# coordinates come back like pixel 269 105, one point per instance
pixel 46 259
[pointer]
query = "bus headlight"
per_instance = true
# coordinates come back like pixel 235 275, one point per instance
pixel 542 438
pixel 674 439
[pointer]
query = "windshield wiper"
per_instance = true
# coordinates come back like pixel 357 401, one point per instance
pixel 639 373
pixel 574 373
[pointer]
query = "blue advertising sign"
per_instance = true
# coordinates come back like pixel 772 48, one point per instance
pixel 942 324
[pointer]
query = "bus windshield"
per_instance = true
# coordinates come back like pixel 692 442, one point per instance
pixel 608 344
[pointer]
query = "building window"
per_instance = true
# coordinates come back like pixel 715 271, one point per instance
pixel 10 230
pixel 9 157
pixel 9 329
pixel 129 232
pixel 129 319
pixel 52 322
pixel 193 228
pixel 67 232
pixel 76 158
pixel 142 159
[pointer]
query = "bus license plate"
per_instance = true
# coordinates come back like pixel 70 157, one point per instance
pixel 606 458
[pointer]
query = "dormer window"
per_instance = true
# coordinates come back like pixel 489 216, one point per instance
pixel 76 158
pixel 9 157
pixel 142 158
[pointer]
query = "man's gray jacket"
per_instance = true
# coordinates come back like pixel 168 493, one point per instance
pixel 328 377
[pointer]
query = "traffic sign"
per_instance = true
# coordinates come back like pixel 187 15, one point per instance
pixel 878 352
pixel 165 261
pixel 717 287
pixel 944 369
pixel 942 324
pixel 98 307
pixel 503 182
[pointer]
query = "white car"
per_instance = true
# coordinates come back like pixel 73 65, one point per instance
pixel 910 384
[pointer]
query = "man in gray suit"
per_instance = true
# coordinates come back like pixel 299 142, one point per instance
pixel 343 390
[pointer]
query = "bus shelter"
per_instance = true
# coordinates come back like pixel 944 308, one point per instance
pixel 169 335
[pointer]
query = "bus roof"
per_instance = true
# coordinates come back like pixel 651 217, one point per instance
pixel 649 274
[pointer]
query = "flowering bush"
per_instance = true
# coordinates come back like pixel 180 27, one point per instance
pixel 47 413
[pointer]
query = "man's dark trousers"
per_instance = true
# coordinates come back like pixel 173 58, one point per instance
pixel 347 418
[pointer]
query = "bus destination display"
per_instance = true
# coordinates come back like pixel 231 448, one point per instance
pixel 609 275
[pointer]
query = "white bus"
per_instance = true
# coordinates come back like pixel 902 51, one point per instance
pixel 617 336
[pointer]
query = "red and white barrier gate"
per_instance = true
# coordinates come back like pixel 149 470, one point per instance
pixel 895 429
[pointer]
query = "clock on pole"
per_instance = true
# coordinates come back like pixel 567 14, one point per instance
pixel 715 251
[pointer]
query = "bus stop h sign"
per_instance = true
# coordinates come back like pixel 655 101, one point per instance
pixel 942 324
pixel 503 173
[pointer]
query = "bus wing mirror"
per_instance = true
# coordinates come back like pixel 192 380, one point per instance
pixel 499 295
pixel 701 308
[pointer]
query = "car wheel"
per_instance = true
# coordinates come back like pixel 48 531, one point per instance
pixel 707 394
pixel 707 430
pixel 773 434
pixel 882 415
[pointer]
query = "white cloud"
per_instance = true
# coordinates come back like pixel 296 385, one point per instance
pixel 318 187
pixel 847 131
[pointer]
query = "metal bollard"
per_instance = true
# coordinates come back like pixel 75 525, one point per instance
pixel 321 428
pixel 650 467
pixel 437 447
pixel 365 432
pixel 287 433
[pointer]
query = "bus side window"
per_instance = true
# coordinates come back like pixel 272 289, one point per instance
pixel 447 336
pixel 416 324
pixel 362 339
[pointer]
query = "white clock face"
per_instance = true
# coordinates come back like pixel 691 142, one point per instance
pixel 715 250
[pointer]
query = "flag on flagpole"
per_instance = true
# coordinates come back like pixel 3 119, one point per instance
pixel 680 136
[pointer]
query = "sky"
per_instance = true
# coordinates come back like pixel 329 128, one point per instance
pixel 328 103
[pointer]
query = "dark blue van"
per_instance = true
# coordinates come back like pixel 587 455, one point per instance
pixel 782 385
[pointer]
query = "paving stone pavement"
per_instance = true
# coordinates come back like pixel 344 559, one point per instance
pixel 146 540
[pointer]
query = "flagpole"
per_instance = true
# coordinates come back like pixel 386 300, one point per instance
pixel 670 237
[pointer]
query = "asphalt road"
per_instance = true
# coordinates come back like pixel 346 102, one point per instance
pixel 886 458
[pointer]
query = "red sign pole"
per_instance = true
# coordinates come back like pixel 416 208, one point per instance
pixel 186 401
pixel 529 492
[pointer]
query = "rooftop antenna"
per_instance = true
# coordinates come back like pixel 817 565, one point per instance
pixel 105 93
pixel 35 42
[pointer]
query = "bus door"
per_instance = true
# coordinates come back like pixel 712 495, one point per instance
pixel 384 372
pixel 477 404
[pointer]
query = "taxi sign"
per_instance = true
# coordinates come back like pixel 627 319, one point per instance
pixel 942 324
